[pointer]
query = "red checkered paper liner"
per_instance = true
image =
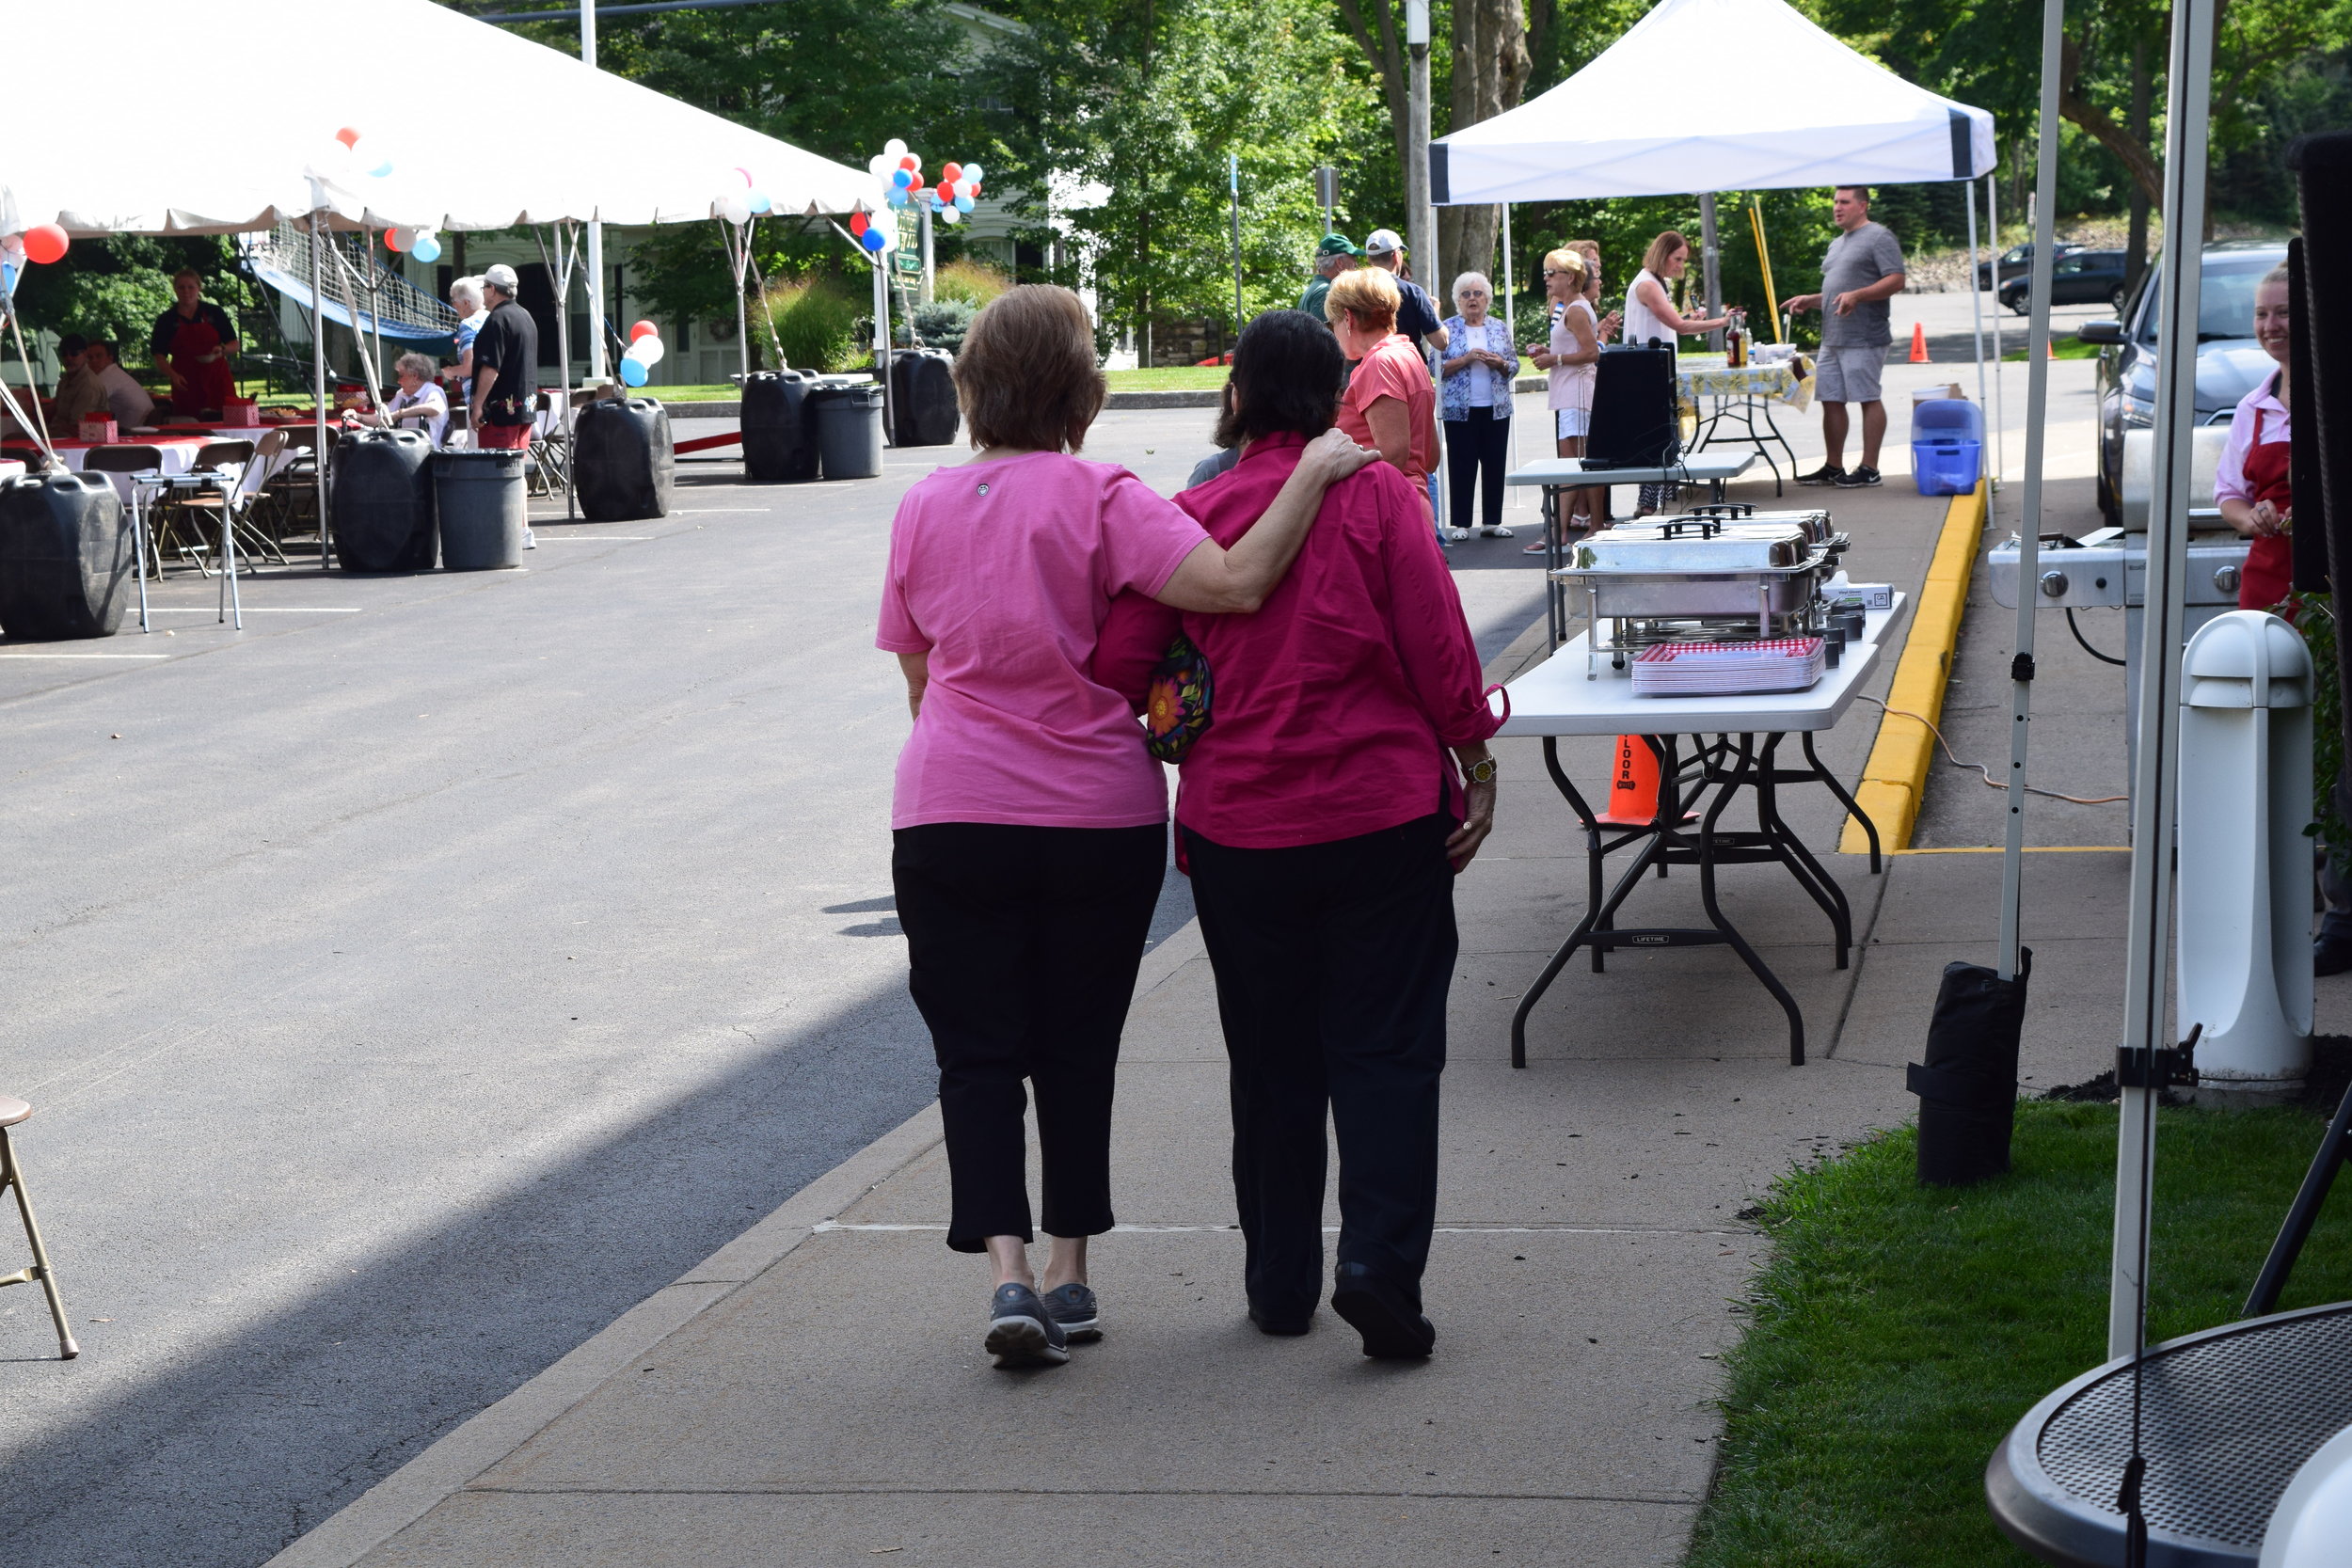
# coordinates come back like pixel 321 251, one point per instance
pixel 1727 669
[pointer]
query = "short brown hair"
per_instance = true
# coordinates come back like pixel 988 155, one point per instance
pixel 1368 294
pixel 1026 376
pixel 1660 248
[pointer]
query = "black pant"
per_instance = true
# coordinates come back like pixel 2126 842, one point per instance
pixel 1332 966
pixel 1475 446
pixel 1024 944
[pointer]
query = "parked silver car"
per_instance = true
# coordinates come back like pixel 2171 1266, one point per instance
pixel 2229 362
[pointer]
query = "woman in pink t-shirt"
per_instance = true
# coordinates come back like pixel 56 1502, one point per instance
pixel 1391 404
pixel 1323 816
pixel 1029 825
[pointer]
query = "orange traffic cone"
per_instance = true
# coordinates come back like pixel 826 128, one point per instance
pixel 2049 348
pixel 1918 343
pixel 1633 784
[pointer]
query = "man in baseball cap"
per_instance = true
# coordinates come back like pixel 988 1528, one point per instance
pixel 1416 316
pixel 1334 256
pixel 504 401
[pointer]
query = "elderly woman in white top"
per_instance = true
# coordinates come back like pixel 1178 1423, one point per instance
pixel 419 404
pixel 1480 366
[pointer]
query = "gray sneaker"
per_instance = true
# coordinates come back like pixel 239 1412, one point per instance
pixel 1073 1308
pixel 1021 1332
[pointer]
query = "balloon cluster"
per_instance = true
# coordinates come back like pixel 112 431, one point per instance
pixel 740 199
pixel 351 153
pixel 643 353
pixel 41 245
pixel 875 237
pixel 950 197
pixel 419 243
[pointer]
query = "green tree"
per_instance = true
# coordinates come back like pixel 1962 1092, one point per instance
pixel 1132 109
pixel 112 288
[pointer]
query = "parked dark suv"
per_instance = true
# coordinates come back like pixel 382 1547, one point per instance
pixel 2229 362
pixel 2014 263
pixel 2079 278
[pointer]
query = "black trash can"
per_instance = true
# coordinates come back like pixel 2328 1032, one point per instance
pixel 779 440
pixel 626 466
pixel 484 512
pixel 1967 1087
pixel 382 501
pixel 66 557
pixel 923 411
pixel 848 431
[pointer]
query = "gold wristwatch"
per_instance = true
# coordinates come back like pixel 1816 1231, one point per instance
pixel 1479 772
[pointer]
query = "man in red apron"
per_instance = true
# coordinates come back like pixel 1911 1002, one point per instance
pixel 193 343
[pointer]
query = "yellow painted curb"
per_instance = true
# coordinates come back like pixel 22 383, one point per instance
pixel 1896 776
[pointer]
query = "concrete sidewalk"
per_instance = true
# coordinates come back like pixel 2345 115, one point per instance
pixel 816 1393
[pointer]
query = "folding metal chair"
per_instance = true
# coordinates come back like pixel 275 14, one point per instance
pixel 132 460
pixel 11 1176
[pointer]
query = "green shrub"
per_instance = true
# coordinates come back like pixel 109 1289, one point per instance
pixel 969 282
pixel 943 323
pixel 817 321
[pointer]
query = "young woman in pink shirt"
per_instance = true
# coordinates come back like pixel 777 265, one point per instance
pixel 1029 825
pixel 1341 784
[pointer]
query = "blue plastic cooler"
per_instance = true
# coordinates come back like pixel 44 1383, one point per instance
pixel 1947 446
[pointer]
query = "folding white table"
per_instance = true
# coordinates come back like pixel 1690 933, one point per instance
pixel 1740 742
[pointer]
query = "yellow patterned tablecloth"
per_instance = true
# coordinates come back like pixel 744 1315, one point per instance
pixel 1710 377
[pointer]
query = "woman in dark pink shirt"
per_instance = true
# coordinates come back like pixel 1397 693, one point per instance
pixel 1322 821
pixel 1029 825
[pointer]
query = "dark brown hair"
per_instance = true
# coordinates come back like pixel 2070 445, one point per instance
pixel 1026 376
pixel 1288 373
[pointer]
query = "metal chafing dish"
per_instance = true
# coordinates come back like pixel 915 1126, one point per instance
pixel 1713 578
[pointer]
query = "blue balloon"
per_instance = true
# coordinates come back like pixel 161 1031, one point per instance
pixel 963 204
pixel 8 276
pixel 871 239
pixel 427 248
pixel 897 199
pixel 632 373
pixel 901 179
pixel 760 202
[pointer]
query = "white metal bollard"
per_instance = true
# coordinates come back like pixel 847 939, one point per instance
pixel 2245 880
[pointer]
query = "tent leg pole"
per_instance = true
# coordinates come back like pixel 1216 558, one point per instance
pixel 1993 237
pixel 2037 407
pixel 1510 325
pixel 2157 768
pixel 1976 301
pixel 318 374
pixel 1710 266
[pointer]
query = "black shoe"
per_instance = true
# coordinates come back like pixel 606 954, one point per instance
pixel 2332 954
pixel 1828 473
pixel 1072 1306
pixel 1861 478
pixel 1021 1332
pixel 1392 1324
pixel 1282 1327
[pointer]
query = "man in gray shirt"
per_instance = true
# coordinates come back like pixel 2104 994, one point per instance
pixel 1861 270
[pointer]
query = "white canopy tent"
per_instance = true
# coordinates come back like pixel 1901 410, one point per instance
pixel 1806 110
pixel 461 126
pixel 554 140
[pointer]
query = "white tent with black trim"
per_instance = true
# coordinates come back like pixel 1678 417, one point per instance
pixel 1714 95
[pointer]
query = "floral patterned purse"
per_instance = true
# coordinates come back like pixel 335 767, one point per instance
pixel 1176 703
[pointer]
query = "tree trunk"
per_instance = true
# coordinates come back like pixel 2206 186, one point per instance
pixel 1384 51
pixel 2136 248
pixel 1490 71
pixel 2132 152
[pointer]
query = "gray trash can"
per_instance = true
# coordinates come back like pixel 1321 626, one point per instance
pixel 484 512
pixel 848 431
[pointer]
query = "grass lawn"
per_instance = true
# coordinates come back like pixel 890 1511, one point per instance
pixel 2068 348
pixel 1170 378
pixel 1900 1331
